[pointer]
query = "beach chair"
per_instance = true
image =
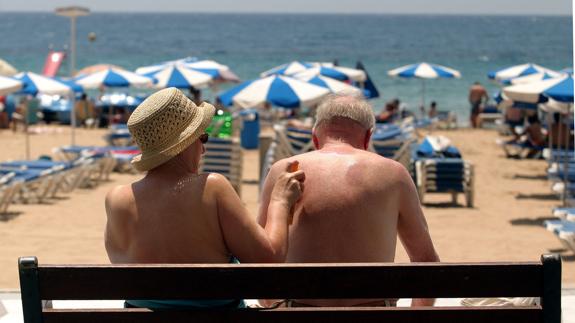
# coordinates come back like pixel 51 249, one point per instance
pixel 564 230
pixel 8 187
pixel 489 115
pixel 224 156
pixel 393 141
pixel 119 135
pixel 520 149
pixel 35 184
pixel 437 167
pixel 292 141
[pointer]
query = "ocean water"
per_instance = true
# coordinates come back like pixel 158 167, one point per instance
pixel 250 44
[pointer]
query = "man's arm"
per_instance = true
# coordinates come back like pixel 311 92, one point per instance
pixel 412 229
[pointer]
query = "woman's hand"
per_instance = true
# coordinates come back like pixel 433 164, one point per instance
pixel 289 185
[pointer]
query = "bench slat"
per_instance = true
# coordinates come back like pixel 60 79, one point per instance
pixel 316 315
pixel 291 281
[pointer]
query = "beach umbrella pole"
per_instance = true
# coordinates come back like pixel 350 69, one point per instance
pixel 423 93
pixel 73 119
pixel 27 135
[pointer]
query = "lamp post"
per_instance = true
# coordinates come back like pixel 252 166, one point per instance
pixel 72 12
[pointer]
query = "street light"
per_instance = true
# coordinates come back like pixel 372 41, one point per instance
pixel 72 12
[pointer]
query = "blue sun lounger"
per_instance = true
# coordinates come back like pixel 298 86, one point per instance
pixel 441 171
pixel 224 156
pixel 564 230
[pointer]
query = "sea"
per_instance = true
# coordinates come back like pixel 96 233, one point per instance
pixel 252 43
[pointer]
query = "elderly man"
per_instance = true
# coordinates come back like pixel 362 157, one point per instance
pixel 356 202
pixel 174 214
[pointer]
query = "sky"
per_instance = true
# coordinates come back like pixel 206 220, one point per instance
pixel 519 7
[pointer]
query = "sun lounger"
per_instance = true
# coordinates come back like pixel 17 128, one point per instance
pixel 489 115
pixel 520 149
pixel 36 183
pixel 564 230
pixel 437 167
pixel 566 213
pixel 292 141
pixel 223 156
pixel 8 187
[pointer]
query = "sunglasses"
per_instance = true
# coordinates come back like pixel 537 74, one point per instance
pixel 204 138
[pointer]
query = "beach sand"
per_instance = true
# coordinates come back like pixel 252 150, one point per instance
pixel 512 200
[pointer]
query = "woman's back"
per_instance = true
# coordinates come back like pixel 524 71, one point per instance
pixel 161 220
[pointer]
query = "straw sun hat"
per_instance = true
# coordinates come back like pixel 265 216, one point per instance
pixel 165 124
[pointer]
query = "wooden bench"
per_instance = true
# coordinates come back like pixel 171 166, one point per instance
pixel 252 281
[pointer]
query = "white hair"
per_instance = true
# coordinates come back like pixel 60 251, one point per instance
pixel 345 106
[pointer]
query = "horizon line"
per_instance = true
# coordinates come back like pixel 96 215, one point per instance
pixel 308 13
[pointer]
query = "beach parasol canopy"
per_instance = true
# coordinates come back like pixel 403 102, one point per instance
pixel 517 71
pixel 334 86
pixel 290 68
pixel 97 68
pixel 35 83
pixel 558 88
pixel 181 77
pixel 531 78
pixel 7 69
pixel 276 90
pixel 424 71
pixel 113 77
pixel 219 71
pixel 308 68
pixel 339 73
pixel 9 85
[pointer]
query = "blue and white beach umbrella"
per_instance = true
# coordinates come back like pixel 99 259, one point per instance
pixel 276 90
pixel 424 71
pixel 559 89
pixel 517 71
pixel 34 84
pixel 339 73
pixel 114 78
pixel 531 78
pixel 9 85
pixel 219 72
pixel 180 77
pixel 332 85
pixel 289 68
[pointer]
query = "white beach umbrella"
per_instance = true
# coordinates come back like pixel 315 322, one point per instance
pixel 9 85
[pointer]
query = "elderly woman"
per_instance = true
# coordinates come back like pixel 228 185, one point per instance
pixel 174 214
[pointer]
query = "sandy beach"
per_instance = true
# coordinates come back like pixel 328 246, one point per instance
pixel 512 200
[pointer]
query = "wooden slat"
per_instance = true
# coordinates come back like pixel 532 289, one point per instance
pixel 316 315
pixel 291 281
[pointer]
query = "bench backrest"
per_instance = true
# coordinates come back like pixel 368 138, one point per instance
pixel 253 281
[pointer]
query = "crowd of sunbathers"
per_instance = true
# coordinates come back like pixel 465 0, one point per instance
pixel 339 203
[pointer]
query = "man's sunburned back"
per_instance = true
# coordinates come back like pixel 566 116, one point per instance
pixel 350 211
pixel 151 222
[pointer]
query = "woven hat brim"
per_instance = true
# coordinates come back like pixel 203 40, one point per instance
pixel 144 162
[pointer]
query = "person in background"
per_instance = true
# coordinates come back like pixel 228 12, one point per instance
pixel 432 110
pixel 19 114
pixel 4 120
pixel 195 95
pixel 514 118
pixel 477 97
pixel 560 133
pixel 355 204
pixel 85 113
